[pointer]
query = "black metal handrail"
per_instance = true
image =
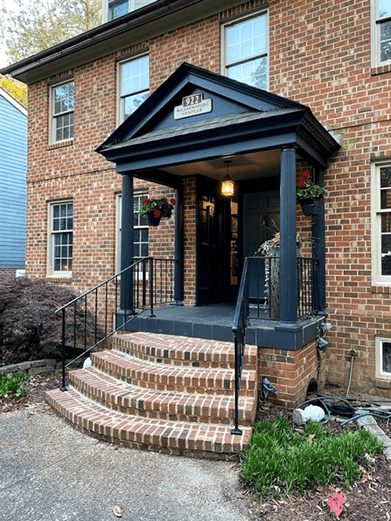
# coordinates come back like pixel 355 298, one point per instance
pixel 151 283
pixel 239 326
pixel 259 298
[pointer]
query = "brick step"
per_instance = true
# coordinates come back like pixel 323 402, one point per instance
pixel 179 350
pixel 182 438
pixel 172 378
pixel 125 398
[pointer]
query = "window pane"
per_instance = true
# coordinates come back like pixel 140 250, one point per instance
pixel 144 235
pixel 252 73
pixel 144 250
pixel 384 8
pixel 385 177
pixel 118 8
pixel 386 254
pixel 63 97
pixel 131 103
pixel 385 41
pixel 246 39
pixel 386 358
pixel 385 198
pixel 135 75
pixel 386 222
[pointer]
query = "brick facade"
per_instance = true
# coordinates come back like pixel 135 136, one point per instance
pixel 319 56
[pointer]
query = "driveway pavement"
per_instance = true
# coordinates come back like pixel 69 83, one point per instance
pixel 51 472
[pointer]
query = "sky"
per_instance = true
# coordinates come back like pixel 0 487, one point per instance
pixel 10 5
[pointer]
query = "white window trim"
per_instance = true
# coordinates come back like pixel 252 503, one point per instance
pixel 375 36
pixel 120 118
pixel 379 358
pixel 223 52
pixel 52 130
pixel 118 208
pixel 50 272
pixel 377 277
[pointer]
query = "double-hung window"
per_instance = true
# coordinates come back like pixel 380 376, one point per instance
pixel 381 220
pixel 133 85
pixel 246 50
pixel 140 229
pixel 60 252
pixel 62 109
pixel 381 32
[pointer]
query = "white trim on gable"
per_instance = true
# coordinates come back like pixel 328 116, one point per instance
pixel 13 102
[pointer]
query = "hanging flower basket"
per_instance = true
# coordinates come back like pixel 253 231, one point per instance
pixel 310 206
pixel 152 220
pixel 155 209
pixel 308 193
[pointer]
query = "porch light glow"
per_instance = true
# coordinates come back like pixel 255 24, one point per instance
pixel 227 188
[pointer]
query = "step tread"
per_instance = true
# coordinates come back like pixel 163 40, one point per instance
pixel 108 388
pixel 171 370
pixel 120 427
pixel 172 348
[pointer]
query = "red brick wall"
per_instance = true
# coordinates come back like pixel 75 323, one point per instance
pixel 290 372
pixel 319 56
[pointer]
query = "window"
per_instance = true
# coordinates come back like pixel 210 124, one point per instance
pixel 133 85
pixel 381 218
pixel 62 107
pixel 60 238
pixel 245 51
pixel 383 357
pixel 381 44
pixel 140 228
pixel 117 8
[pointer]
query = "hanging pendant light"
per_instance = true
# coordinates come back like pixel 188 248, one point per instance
pixel 227 188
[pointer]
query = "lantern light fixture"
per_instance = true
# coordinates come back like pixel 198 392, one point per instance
pixel 227 188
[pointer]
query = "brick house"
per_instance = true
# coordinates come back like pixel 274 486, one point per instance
pixel 171 97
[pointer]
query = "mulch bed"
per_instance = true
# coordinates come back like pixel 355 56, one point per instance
pixel 36 388
pixel 368 499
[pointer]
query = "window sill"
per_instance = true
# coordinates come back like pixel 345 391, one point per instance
pixel 60 144
pixel 382 69
pixel 59 278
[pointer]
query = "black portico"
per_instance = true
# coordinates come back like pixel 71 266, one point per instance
pixel 266 133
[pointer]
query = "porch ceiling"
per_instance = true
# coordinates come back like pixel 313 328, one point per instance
pixel 242 167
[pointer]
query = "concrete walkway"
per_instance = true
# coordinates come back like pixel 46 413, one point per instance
pixel 51 472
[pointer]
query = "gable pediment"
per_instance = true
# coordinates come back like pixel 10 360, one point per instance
pixel 177 103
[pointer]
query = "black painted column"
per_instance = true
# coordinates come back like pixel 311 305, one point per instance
pixel 179 289
pixel 319 252
pixel 288 263
pixel 127 244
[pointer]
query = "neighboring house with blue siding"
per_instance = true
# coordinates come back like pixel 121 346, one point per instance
pixel 13 171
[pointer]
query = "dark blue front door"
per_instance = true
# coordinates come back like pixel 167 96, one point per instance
pixel 261 220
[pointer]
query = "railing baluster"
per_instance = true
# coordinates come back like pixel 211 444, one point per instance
pixel 106 308
pixel 74 329
pixel 85 322
pixel 96 316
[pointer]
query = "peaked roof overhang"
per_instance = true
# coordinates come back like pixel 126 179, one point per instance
pixel 242 119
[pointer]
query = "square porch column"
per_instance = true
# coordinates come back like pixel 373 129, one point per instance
pixel 127 246
pixel 288 262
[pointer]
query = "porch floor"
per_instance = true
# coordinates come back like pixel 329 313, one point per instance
pixel 213 321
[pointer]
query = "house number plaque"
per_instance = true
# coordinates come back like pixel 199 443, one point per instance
pixel 193 106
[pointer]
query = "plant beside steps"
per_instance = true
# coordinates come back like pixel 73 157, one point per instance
pixel 165 393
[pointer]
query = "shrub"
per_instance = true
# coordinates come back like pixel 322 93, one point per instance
pixel 29 327
pixel 13 384
pixel 280 460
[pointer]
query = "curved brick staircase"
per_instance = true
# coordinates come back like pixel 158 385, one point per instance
pixel 160 392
